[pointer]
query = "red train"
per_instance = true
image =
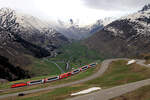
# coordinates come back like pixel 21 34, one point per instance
pixel 18 85
pixel 46 80
pixel 65 75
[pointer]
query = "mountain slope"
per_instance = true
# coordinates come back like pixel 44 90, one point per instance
pixel 128 36
pixel 18 39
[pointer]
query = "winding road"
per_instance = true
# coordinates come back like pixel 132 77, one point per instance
pixel 110 93
pixel 100 95
pixel 62 71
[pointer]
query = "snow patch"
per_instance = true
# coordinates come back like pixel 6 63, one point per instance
pixel 86 91
pixel 131 62
pixel 114 30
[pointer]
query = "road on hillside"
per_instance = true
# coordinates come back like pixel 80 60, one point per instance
pixel 62 71
pixel 104 66
pixel 110 93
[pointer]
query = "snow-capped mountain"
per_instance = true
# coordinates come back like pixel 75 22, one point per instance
pixel 146 7
pixel 22 36
pixel 127 36
pixel 30 29
pixel 100 24
pixel 138 21
pixel 33 30
pixel 74 31
pixel 28 21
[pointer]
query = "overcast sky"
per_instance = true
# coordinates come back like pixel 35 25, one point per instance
pixel 116 4
pixel 83 11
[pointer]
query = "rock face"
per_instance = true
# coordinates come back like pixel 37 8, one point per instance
pixel 126 37
pixel 21 36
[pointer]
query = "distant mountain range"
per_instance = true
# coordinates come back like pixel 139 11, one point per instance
pixel 75 32
pixel 125 37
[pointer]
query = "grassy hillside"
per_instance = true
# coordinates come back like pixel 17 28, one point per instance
pixel 76 77
pixel 77 55
pixel 41 67
pixel 118 73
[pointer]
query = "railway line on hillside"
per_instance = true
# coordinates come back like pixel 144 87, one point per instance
pixel 95 95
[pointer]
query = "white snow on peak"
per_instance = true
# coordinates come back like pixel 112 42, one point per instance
pixel 114 30
pixel 30 21
pixel 140 20
pixel 136 15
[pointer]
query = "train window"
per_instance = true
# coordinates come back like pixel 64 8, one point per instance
pixel 36 81
pixel 76 71
pixel 53 78
pixel 93 64
pixel 84 67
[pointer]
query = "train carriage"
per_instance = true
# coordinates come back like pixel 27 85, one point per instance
pixel 69 74
pixel 18 85
pixel 65 75
pixel 84 68
pixel 75 71
pixel 93 64
pixel 51 79
pixel 35 82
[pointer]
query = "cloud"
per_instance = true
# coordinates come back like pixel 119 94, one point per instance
pixel 86 11
pixel 116 5
pixel 24 6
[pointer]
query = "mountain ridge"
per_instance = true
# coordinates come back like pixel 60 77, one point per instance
pixel 17 41
pixel 74 31
pixel 125 37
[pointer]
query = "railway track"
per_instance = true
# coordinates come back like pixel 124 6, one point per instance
pixel 104 66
